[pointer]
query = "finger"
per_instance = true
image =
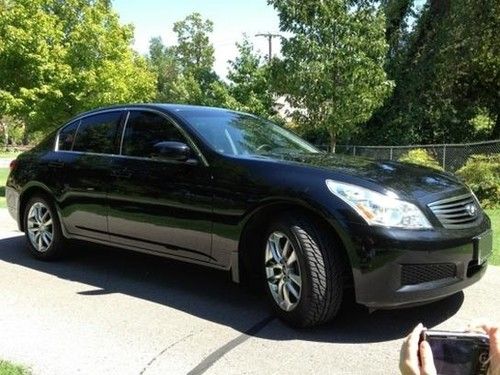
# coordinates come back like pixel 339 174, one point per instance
pixel 413 340
pixel 494 333
pixel 427 367
pixel 478 325
pixel 409 352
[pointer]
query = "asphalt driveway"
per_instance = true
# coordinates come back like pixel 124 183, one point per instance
pixel 108 311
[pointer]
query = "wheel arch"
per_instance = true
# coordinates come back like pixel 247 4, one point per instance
pixel 29 191
pixel 260 218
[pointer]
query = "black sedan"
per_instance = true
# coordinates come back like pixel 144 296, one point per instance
pixel 235 192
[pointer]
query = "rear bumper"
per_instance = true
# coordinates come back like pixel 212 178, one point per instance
pixel 12 199
pixel 403 269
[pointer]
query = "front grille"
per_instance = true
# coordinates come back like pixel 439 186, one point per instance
pixel 412 274
pixel 457 212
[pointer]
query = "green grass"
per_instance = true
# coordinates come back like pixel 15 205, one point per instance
pixel 7 368
pixel 9 154
pixel 4 172
pixel 494 215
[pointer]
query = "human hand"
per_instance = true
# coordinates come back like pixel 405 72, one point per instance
pixel 494 333
pixel 416 359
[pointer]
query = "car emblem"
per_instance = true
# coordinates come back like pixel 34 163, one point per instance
pixel 471 209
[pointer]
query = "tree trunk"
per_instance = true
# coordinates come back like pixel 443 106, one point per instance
pixel 4 130
pixel 333 141
pixel 6 134
pixel 495 134
pixel 25 135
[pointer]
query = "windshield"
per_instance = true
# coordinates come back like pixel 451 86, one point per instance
pixel 234 133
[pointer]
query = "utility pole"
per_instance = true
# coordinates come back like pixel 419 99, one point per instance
pixel 269 37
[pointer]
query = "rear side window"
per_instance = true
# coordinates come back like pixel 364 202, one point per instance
pixel 144 130
pixel 98 133
pixel 67 136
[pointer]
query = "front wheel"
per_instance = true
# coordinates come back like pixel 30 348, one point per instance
pixel 42 229
pixel 303 270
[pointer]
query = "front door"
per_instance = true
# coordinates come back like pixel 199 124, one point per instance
pixel 159 205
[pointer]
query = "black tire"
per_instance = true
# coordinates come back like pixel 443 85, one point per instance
pixel 322 269
pixel 56 246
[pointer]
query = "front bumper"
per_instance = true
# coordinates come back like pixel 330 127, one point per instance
pixel 396 271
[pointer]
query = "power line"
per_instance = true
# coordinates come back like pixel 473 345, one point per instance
pixel 269 37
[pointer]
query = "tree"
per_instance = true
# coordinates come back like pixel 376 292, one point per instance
pixel 196 81
pixel 249 81
pixel 332 67
pixel 396 29
pixel 186 75
pixel 58 58
pixel 194 49
pixel 446 73
pixel 472 47
pixel 166 66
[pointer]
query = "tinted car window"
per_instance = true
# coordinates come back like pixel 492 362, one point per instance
pixel 67 136
pixel 236 133
pixel 98 133
pixel 144 130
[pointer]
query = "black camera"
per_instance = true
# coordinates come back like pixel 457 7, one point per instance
pixel 459 353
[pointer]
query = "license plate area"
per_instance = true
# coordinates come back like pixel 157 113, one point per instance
pixel 483 246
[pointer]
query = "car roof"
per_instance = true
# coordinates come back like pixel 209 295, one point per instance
pixel 159 106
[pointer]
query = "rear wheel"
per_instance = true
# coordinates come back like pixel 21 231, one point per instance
pixel 42 228
pixel 303 270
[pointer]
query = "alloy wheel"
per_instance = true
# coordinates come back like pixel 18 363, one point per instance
pixel 39 226
pixel 283 271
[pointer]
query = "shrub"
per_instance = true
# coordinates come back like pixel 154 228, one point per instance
pixel 421 157
pixel 482 174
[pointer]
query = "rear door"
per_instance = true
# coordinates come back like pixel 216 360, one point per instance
pixel 160 205
pixel 83 164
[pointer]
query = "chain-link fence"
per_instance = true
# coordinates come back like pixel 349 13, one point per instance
pixel 451 156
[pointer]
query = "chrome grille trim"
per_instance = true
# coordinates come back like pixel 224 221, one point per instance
pixel 452 212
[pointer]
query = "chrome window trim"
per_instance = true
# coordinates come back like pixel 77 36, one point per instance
pixel 76 133
pixel 129 109
pixel 123 133
pixel 80 118
pixel 56 146
pixel 126 157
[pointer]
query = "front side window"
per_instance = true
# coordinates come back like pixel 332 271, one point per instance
pixel 144 130
pixel 97 133
pixel 67 136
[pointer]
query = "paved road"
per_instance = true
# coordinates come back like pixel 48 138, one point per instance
pixel 106 311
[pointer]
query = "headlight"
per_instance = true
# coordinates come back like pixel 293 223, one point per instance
pixel 379 209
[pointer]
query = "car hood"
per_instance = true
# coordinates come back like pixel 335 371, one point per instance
pixel 406 180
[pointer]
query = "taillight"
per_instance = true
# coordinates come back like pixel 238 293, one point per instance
pixel 13 165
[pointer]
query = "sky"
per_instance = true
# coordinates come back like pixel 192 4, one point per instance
pixel 231 19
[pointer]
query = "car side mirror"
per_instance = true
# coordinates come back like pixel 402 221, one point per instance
pixel 175 151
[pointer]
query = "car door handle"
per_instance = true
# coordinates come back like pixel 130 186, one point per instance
pixel 56 164
pixel 122 174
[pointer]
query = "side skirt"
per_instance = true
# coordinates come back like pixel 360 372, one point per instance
pixel 141 250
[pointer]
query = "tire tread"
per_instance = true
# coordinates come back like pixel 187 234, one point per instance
pixel 326 268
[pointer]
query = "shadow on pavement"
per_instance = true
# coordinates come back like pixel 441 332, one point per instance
pixel 209 294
